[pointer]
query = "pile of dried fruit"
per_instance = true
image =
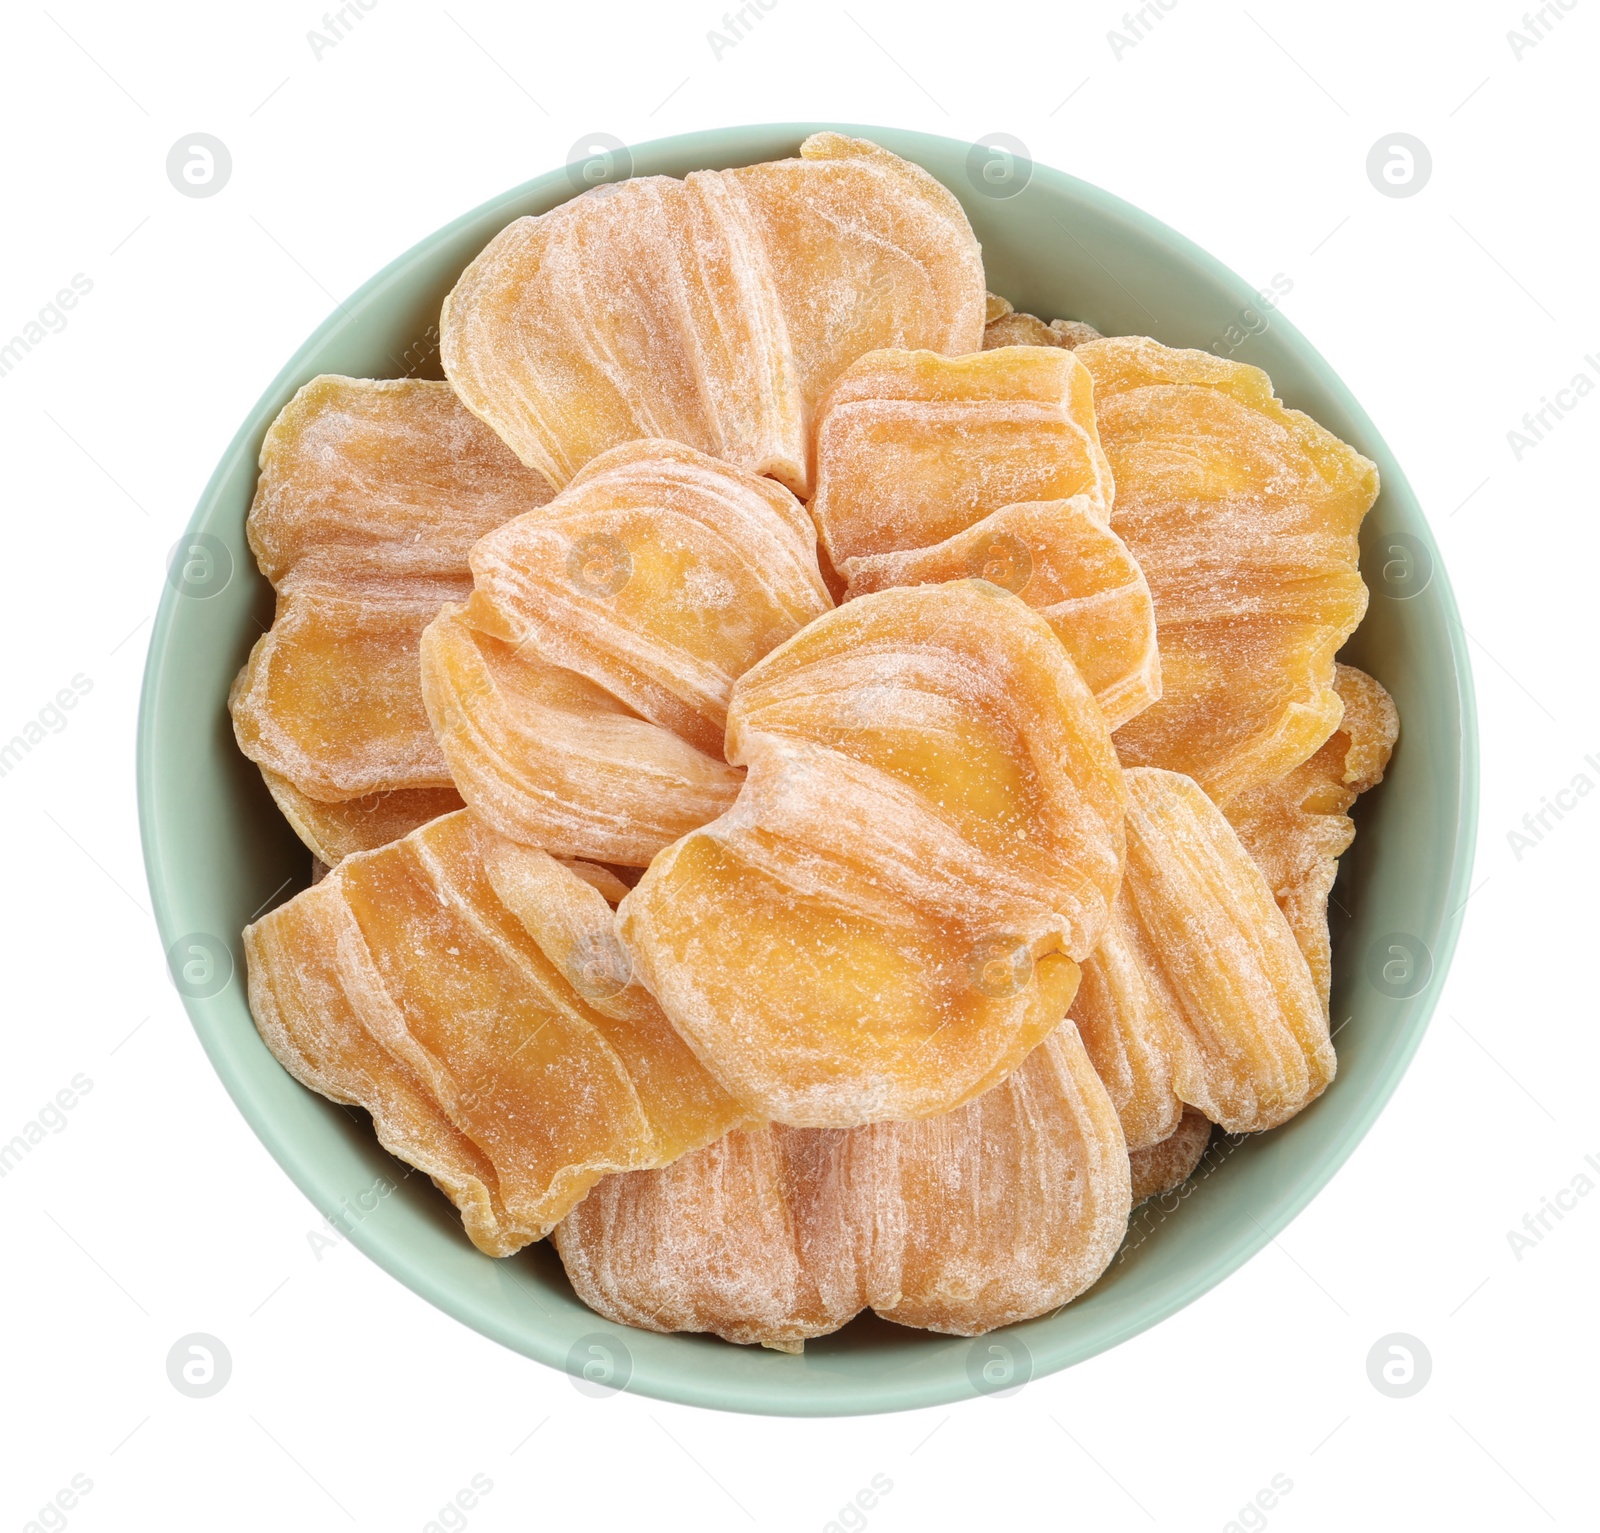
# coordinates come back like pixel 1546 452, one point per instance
pixel 831 785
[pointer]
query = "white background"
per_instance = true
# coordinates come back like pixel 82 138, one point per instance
pixel 154 1212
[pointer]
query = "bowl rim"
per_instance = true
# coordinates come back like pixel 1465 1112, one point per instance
pixel 689 1385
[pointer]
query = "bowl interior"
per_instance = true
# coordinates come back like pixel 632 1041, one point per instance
pixel 218 854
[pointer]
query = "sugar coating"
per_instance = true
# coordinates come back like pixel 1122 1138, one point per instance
pixel 548 758
pixel 926 845
pixel 566 908
pixel 995 1212
pixel 1062 560
pixel 381 485
pixel 714 310
pixel 330 697
pixel 913 447
pixel 609 581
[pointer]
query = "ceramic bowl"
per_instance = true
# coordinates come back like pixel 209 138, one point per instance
pixel 219 854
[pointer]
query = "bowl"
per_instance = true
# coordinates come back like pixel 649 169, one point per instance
pixel 218 853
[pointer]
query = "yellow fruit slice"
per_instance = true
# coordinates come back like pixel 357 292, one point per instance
pixel 707 1244
pixel 580 697
pixel 1073 570
pixel 1134 1029
pixel 996 1212
pixel 1167 1165
pixel 1004 326
pixel 1200 995
pixel 661 574
pixel 928 842
pixel 1243 516
pixel 547 757
pixel 571 920
pixel 1012 1205
pixel 402 982
pixel 713 310
pixel 935 468
pixel 334 831
pixel 381 485
pixel 330 697
pixel 1297 828
pixel 371 494
pixel 305 962
pixel 913 447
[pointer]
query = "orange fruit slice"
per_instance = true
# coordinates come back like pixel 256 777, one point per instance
pixel 1169 1163
pixel 401 982
pixel 1297 828
pixel 935 468
pixel 381 484
pixel 913 447
pixel 580 696
pixel 334 831
pixel 927 843
pixel 330 697
pixel 1073 570
pixel 1243 516
pixel 550 758
pixel 371 494
pixel 996 1212
pixel 1004 326
pixel 566 907
pixel 1199 995
pixel 708 1243
pixel 715 310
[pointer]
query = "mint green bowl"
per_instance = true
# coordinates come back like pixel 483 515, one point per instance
pixel 218 853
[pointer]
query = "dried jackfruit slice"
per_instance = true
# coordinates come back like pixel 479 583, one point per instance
pixel 927 842
pixel 913 447
pixel 1073 570
pixel 866 250
pixel 1133 1027
pixel 659 573
pixel 998 1211
pixel 571 920
pixel 303 960
pixel 1169 1164
pixel 1243 516
pixel 547 757
pixel 1199 994
pixel 334 831
pixel 329 697
pixel 371 493
pixel 706 1244
pixel 938 468
pixel 1004 326
pixel 713 310
pixel 933 468
pixel 381 485
pixel 581 695
pixel 1296 829
pixel 1015 329
pixel 403 983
